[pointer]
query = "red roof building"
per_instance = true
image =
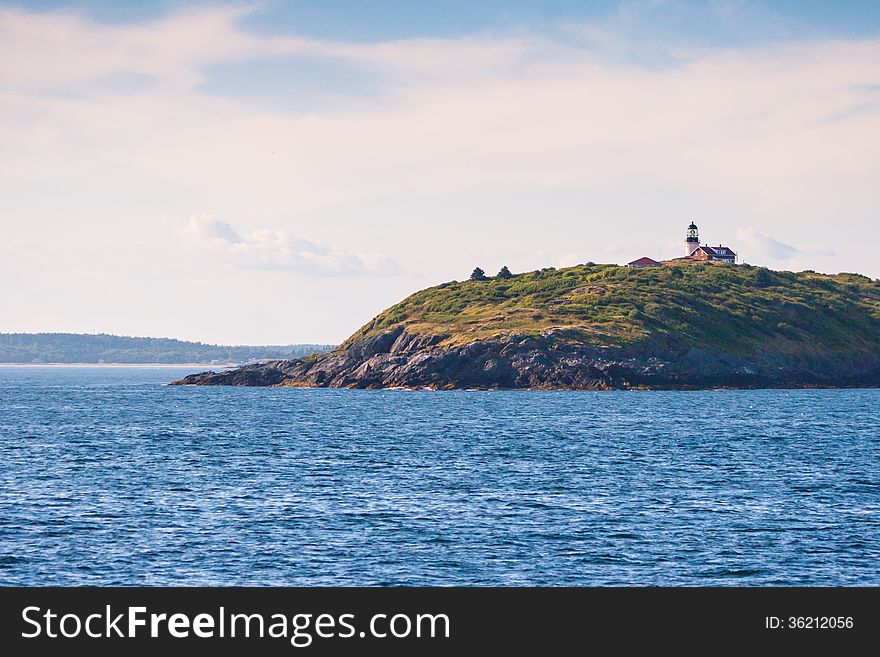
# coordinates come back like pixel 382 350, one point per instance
pixel 716 253
pixel 644 262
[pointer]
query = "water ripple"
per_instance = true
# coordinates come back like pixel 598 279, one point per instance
pixel 109 477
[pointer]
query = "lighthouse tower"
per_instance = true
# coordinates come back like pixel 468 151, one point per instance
pixel 692 241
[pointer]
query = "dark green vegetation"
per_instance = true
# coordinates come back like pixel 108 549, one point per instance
pixel 79 348
pixel 736 309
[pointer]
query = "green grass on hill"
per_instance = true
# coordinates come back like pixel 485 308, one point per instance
pixel 732 308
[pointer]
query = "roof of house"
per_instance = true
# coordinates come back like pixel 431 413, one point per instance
pixel 644 261
pixel 723 251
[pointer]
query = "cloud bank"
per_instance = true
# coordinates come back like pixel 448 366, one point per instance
pixel 278 249
pixel 765 247
pixel 523 147
pixel 779 129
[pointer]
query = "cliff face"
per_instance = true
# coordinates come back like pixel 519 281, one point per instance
pixel 606 327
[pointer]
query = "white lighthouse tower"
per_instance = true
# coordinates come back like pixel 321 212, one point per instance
pixel 692 241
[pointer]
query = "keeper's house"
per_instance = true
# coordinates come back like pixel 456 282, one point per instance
pixel 716 253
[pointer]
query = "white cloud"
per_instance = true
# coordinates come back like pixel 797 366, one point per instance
pixel 763 246
pixel 278 249
pixel 774 128
pixel 46 51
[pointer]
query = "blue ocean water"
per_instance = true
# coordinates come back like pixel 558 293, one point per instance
pixel 107 476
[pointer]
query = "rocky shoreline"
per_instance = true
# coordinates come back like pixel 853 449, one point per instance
pixel 553 360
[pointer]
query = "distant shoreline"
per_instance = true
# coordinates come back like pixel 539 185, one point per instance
pixel 105 349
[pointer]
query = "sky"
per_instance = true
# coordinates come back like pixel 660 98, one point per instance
pixel 281 172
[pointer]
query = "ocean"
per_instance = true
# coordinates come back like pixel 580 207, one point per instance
pixel 110 477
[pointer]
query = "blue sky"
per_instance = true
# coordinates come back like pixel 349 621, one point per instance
pixel 310 163
pixel 719 21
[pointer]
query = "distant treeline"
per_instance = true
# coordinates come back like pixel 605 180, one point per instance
pixel 102 348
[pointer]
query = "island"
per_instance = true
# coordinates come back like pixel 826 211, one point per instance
pixel 683 324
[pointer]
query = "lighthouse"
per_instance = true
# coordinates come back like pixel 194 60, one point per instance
pixel 692 241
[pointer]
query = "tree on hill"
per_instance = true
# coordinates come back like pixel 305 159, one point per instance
pixel 478 275
pixel 505 273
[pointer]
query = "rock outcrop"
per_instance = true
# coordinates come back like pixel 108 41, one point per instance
pixel 554 359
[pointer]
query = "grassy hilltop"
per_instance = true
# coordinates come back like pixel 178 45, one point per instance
pixel 736 309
